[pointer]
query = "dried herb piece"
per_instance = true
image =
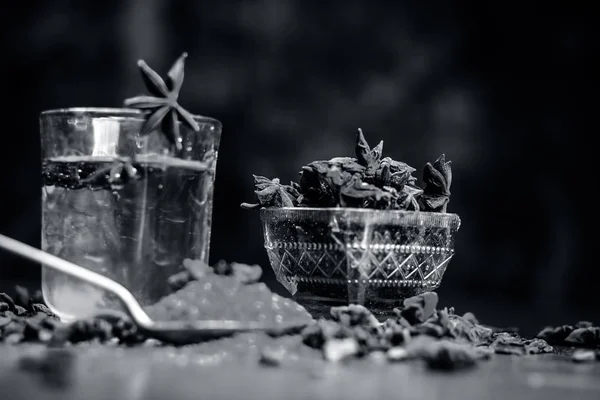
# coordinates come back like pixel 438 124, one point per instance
pixel 587 337
pixel 419 308
pixel 438 179
pixel 271 193
pixel 410 197
pixel 582 334
pixel 357 193
pixel 320 184
pixel 366 156
pixel 8 301
pixel 346 164
pixel 320 331
pixel 449 356
pixel 163 102
pixel 555 335
pixel 510 343
pixel 354 315
pixel 116 174
pixel 395 173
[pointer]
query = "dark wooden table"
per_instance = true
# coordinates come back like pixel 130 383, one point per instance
pixel 95 372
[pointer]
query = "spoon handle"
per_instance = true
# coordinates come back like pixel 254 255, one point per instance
pixel 134 310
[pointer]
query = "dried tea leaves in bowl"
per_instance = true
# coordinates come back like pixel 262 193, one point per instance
pixel 367 181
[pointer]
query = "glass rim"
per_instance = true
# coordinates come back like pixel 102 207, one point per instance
pixel 114 112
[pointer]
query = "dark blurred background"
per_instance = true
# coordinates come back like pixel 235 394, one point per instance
pixel 499 87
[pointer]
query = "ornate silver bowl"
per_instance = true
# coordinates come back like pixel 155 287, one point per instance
pixel 377 258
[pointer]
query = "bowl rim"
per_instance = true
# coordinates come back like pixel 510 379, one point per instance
pixel 393 217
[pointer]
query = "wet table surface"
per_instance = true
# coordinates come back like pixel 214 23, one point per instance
pixel 95 372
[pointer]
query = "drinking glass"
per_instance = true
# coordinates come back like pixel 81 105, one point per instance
pixel 128 206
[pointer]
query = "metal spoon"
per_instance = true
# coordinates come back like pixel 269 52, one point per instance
pixel 174 332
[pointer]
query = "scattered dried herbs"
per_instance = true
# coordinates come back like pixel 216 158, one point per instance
pixel 36 323
pixel 367 181
pixel 225 291
pixel 582 334
pixel 441 338
pixel 447 356
pixel 162 103
pixel 510 343
pixel 196 270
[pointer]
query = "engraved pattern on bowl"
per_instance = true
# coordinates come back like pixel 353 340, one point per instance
pixel 377 258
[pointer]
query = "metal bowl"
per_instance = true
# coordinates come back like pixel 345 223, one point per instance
pixel 377 258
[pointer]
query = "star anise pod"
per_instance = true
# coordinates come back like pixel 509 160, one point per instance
pixel 410 195
pixel 120 171
pixel 397 175
pixel 318 189
pixel 438 179
pixel 370 158
pixel 271 193
pixel 357 193
pixel 163 102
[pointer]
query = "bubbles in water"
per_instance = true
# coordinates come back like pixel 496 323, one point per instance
pixel 118 222
pixel 78 123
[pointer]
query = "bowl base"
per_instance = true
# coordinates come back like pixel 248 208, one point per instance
pixel 381 301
